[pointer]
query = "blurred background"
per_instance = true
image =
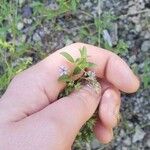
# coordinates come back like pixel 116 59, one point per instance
pixel 32 29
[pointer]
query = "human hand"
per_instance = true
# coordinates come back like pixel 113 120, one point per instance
pixel 32 119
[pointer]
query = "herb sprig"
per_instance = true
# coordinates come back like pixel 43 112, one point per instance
pixel 86 77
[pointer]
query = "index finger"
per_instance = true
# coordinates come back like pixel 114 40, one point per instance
pixel 108 66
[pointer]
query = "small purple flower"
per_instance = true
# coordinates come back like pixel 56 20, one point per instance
pixel 63 71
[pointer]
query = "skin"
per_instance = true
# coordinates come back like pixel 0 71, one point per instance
pixel 31 118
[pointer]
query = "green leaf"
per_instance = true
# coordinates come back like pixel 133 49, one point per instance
pixel 83 52
pixel 146 80
pixel 77 60
pixel 64 78
pixel 78 86
pixel 84 32
pixel 80 61
pixel 89 65
pixel 77 70
pixel 83 65
pixel 74 5
pixel 67 56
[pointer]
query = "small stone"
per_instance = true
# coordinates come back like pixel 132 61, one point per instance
pixel 130 125
pixel 46 30
pixel 145 46
pixel 68 41
pixel 127 141
pixel 41 33
pixel 130 3
pixel 141 66
pixel 136 19
pixel 23 38
pixel 147 140
pixel 124 148
pixel 132 59
pixel 27 21
pixel 114 33
pixel 95 144
pixel 36 37
pixel 20 26
pixel 88 147
pixel 148 116
pixel 132 10
pixel 88 4
pixel 147 35
pixel 26 11
pixel 139 134
pixel 141 4
pixel 21 2
pixel 122 133
pixel 53 6
pixel 108 4
pixel 138 27
pixel 107 37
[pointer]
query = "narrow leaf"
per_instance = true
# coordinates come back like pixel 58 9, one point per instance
pixel 83 65
pixel 80 61
pixel 83 52
pixel 74 5
pixel 77 60
pixel 64 78
pixel 67 56
pixel 78 86
pixel 89 65
pixel 77 70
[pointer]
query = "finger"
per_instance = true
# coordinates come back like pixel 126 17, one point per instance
pixel 70 113
pixel 108 66
pixel 109 107
pixel 103 133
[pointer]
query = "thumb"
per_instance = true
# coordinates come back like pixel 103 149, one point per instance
pixel 73 111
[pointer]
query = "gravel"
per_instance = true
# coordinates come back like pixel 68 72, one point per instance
pixel 23 38
pixel 114 33
pixel 27 21
pixel 27 12
pixel 21 2
pixel 20 26
pixel 36 37
pixel 139 134
pixel 127 141
pixel 145 46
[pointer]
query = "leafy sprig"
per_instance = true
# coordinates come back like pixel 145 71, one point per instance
pixel 86 77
